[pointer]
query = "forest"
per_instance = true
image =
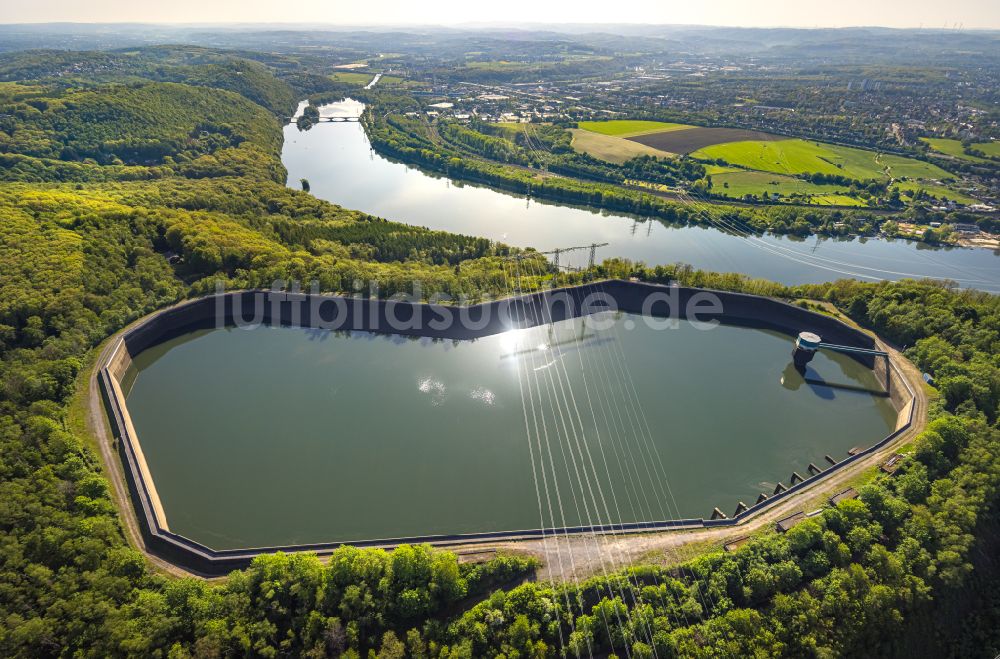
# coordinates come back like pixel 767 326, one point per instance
pixel 90 217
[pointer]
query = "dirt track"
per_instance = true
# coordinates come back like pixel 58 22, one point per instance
pixel 589 555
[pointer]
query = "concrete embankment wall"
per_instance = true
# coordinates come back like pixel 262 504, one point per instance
pixel 899 393
pixel 436 321
pixel 441 321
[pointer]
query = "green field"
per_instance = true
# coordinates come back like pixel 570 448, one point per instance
pixel 992 149
pixel 796 156
pixel 836 200
pixel 611 149
pixel 629 127
pixel 948 147
pixel 713 170
pixel 955 148
pixel 737 183
pixel 499 65
pixel 352 77
pixel 939 191
pixel 357 78
pixel 901 167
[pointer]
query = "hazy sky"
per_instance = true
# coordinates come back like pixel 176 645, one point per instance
pixel 799 13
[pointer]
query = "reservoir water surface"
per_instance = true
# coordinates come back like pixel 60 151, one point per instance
pixel 277 436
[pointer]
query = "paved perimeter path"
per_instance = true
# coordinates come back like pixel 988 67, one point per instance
pixel 97 423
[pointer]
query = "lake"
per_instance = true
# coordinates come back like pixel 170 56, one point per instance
pixel 342 168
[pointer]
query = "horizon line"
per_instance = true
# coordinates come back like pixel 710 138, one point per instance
pixel 471 25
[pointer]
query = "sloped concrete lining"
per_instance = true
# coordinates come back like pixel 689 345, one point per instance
pixel 438 321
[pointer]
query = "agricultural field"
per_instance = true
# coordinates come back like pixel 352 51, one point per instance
pixel 900 167
pixel 696 137
pixel 352 77
pixel 715 170
pixel 630 127
pixel 956 149
pixel 836 200
pixel 762 163
pixel 485 69
pixel 948 147
pixel 499 65
pixel 611 149
pixel 797 156
pixel 792 156
pixel 992 149
pixel 362 79
pixel 737 183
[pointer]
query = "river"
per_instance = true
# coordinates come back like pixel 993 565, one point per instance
pixel 342 168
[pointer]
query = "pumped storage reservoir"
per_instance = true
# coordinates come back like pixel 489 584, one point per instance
pixel 286 435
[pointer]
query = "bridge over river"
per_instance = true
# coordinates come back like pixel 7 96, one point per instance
pixel 332 119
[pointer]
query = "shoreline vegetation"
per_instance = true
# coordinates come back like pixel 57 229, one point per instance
pixel 128 192
pixel 677 191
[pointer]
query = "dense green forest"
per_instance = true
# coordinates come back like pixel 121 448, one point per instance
pixel 96 195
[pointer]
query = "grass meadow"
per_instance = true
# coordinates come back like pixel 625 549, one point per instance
pixel 796 156
pixel 612 149
pixel 955 148
pixel 629 127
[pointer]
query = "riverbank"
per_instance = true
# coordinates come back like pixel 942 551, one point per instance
pixel 981 240
pixel 341 167
pixel 478 152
